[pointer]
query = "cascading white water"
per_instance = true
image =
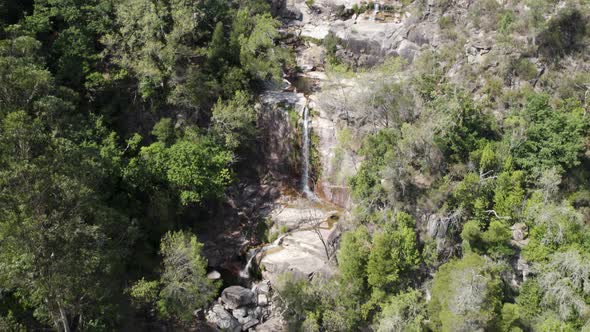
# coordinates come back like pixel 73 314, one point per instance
pixel 245 273
pixel 305 155
pixel 375 11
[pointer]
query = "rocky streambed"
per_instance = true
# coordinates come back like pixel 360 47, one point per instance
pixel 303 213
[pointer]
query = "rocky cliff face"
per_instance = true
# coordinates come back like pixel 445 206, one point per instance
pixel 341 117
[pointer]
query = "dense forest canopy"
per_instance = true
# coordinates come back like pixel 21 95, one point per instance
pixel 88 188
pixel 124 123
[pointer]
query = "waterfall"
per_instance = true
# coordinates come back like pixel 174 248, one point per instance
pixel 305 154
pixel 375 11
pixel 245 273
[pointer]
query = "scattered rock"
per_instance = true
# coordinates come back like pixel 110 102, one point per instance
pixel 519 231
pixel 251 323
pixel 237 296
pixel 262 287
pixel 214 275
pixel 262 300
pixel 240 312
pixel 523 267
pixel 223 319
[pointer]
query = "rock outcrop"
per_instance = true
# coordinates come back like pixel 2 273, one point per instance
pixel 237 296
pixel 242 309
pixel 305 250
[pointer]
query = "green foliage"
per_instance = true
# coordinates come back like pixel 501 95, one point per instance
pixel 473 126
pixel 258 54
pixel 170 30
pixel 529 300
pixel 70 30
pixel 466 295
pixel 552 137
pixel 555 226
pixel 404 312
pixel 506 22
pixel 525 69
pixel 235 120
pixel 366 184
pixel 509 194
pixel 510 317
pixel 164 131
pixel 564 35
pixel 194 166
pixel 394 254
pixel 185 285
pixel 144 293
pixel 20 69
pixel 61 236
pixel 352 260
pixel 497 239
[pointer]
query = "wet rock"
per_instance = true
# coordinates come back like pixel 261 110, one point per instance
pixel 223 319
pixel 237 296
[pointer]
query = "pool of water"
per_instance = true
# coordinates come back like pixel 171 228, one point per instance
pixel 302 84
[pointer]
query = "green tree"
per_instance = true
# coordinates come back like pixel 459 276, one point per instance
pixel 62 242
pixel 153 38
pixel 194 166
pixel 352 260
pixel 185 285
pixel 552 137
pixel 509 194
pixel 256 36
pixel 70 30
pixel 466 295
pixel 403 312
pixel 235 120
pixel 394 254
pixel 25 79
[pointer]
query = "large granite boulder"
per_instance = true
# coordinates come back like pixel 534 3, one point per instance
pixel 234 297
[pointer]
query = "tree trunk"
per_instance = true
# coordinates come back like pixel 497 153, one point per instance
pixel 64 319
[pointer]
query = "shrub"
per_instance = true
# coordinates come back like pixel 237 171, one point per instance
pixel 525 69
pixel 564 35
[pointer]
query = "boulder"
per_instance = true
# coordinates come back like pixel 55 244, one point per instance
pixel 214 275
pixel 262 300
pixel 237 296
pixel 223 319
pixel 519 231
pixel 239 313
pixel 249 324
pixel 262 287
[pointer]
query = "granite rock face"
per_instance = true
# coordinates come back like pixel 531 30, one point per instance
pixel 243 309
pixel 221 318
pixel 234 297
